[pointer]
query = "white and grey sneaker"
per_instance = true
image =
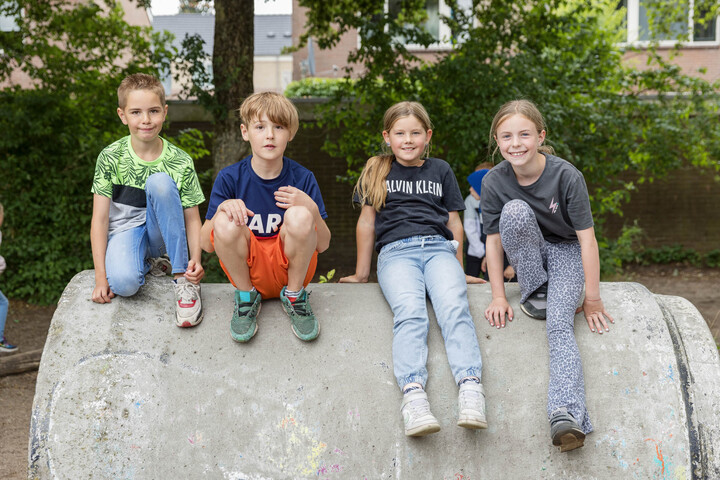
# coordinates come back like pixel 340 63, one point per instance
pixel 416 414
pixel 471 405
pixel 160 266
pixel 188 305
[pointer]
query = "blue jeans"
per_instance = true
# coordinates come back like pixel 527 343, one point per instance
pixel 128 254
pixel 409 268
pixel 4 304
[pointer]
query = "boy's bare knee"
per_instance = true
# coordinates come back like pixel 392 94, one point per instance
pixel 298 221
pixel 225 230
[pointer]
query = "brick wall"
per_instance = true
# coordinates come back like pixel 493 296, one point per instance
pixel 683 208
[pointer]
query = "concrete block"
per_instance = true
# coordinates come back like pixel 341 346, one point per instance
pixel 123 393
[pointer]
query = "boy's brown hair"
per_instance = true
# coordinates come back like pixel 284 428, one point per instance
pixel 139 81
pixel 278 109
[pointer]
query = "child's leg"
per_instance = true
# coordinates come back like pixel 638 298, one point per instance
pixel 125 263
pixel 565 286
pixel 524 246
pixel 400 275
pixel 299 242
pixel 446 286
pixel 232 246
pixel 165 221
pixel 4 305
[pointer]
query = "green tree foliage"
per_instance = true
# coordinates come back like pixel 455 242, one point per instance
pixel 75 54
pixel 604 116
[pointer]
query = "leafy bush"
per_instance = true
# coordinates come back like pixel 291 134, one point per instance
pixel 316 87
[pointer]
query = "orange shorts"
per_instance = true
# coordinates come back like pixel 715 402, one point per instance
pixel 268 265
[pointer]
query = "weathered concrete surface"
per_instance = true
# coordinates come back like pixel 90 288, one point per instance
pixel 123 393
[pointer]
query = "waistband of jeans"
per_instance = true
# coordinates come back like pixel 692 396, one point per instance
pixel 423 239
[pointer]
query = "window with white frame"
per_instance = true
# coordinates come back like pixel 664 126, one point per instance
pixel 434 24
pixel 686 31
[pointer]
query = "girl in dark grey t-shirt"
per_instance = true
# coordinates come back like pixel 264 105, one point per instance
pixel 536 208
pixel 410 209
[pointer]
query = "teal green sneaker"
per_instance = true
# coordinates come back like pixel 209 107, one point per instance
pixel 243 325
pixel 304 324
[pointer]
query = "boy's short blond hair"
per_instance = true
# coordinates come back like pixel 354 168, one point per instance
pixel 277 107
pixel 139 81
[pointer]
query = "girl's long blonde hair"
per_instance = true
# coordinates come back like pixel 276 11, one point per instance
pixel 371 188
pixel 527 109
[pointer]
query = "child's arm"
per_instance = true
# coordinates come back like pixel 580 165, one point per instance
pixel 456 227
pixel 98 240
pixel 593 307
pixel 195 272
pixel 364 237
pixel 499 306
pixel 286 197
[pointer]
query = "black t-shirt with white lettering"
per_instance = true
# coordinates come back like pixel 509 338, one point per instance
pixel 418 202
pixel 559 199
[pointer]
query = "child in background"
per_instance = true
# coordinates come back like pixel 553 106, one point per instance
pixel 145 204
pixel 536 208
pixel 266 221
pixel 5 347
pixel 473 224
pixel 410 207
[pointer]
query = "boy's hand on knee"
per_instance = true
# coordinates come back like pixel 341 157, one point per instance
pixel 496 311
pixel 195 272
pixel 471 279
pixel 286 197
pixel 236 210
pixel 102 293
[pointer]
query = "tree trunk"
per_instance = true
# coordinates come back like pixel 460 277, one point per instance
pixel 232 76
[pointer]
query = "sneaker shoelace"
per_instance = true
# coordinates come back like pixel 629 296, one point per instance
pixel 302 307
pixel 243 308
pixel 186 292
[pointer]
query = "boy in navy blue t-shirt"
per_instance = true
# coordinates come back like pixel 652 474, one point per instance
pixel 266 221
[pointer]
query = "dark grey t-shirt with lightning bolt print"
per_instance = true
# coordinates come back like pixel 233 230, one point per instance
pixel 559 199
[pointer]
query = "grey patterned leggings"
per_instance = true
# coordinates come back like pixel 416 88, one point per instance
pixel 537 261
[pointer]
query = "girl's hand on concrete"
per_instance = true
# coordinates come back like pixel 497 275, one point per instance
pixel 471 279
pixel 102 293
pixel 496 311
pixel 236 211
pixel 595 314
pixel 355 278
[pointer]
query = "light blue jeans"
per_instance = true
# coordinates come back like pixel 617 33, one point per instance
pixel 4 304
pixel 409 268
pixel 128 254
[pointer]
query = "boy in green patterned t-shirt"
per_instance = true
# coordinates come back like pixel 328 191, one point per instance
pixel 145 205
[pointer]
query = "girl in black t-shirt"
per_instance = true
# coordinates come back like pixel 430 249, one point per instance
pixel 536 208
pixel 410 207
